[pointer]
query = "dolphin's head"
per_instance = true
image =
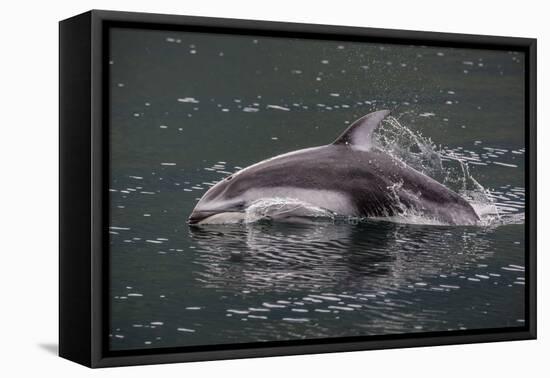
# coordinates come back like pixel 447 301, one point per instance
pixel 220 204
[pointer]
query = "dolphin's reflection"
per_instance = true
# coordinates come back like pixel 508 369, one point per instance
pixel 283 257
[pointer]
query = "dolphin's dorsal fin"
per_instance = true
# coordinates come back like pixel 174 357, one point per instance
pixel 359 134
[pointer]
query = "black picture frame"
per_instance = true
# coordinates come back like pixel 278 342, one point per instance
pixel 83 196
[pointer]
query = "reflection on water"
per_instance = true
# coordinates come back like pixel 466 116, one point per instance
pixel 278 281
pixel 188 110
pixel 326 256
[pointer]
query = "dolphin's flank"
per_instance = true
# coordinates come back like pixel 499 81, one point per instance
pixel 349 177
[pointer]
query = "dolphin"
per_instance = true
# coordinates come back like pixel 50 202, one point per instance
pixel 350 177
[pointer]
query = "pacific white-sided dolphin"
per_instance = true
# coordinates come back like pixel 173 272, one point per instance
pixel 349 177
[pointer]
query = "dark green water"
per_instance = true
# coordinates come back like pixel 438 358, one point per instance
pixel 188 109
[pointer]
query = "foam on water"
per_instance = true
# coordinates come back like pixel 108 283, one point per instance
pixel 284 208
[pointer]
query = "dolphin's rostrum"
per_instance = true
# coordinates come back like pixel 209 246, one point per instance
pixel 349 177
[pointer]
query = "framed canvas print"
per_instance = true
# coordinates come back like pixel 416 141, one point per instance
pixel 234 188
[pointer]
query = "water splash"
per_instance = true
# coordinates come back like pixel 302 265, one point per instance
pixel 443 165
pixel 284 209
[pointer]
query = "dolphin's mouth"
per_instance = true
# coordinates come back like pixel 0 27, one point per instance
pixel 214 217
pixel 198 216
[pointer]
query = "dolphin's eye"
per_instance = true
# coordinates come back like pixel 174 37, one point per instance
pixel 229 177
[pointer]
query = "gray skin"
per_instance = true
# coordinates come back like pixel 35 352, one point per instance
pixel 349 177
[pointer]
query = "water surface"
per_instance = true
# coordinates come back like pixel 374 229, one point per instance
pixel 189 108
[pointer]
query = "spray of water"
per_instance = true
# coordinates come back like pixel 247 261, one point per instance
pixel 422 154
pixel 284 209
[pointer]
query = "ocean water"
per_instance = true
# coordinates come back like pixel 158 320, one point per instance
pixel 188 109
